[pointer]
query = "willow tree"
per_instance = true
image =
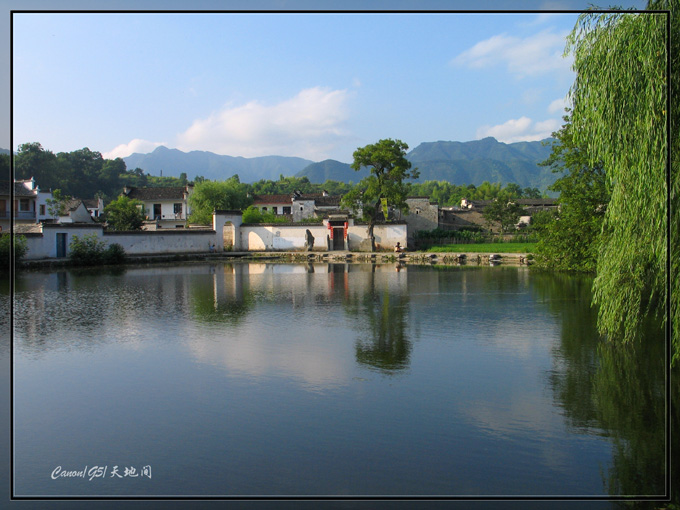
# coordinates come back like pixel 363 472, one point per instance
pixel 620 117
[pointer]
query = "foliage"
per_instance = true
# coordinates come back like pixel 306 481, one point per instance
pixel 20 249
pixel 124 214
pixel 210 195
pixel 114 254
pixel 569 239
pixel 506 214
pixel 389 168
pixel 485 248
pixel 56 206
pixel 253 215
pixel 619 118
pixel 5 174
pixel 90 251
pixel 87 251
pixel 446 194
pixel 438 234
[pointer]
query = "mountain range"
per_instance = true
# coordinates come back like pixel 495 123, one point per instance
pixel 460 163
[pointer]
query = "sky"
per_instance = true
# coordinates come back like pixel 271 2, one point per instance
pixel 313 85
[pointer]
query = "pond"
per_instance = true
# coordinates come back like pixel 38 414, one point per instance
pixel 339 380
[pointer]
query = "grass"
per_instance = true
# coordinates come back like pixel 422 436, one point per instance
pixel 485 248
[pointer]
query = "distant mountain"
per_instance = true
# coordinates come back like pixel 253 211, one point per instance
pixel 4 151
pixel 332 170
pixel 459 163
pixel 214 166
pixel 483 160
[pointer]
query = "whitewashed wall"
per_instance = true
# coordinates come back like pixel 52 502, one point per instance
pixel 281 237
pixel 292 237
pixel 45 245
pixel 134 243
pixel 163 241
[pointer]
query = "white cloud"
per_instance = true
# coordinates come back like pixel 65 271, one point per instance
pixel 537 54
pixel 558 106
pixel 308 125
pixel 520 130
pixel 136 145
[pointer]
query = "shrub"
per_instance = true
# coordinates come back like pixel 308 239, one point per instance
pixel 114 254
pixel 20 249
pixel 90 251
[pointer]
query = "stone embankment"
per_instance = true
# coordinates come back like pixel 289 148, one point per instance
pixel 332 256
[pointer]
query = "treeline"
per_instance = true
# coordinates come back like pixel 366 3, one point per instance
pixel 85 174
pixel 82 173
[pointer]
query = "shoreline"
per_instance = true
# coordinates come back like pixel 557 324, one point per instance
pixel 416 257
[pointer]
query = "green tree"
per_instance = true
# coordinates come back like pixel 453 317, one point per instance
pixel 506 214
pixel 5 174
pixel 620 118
pixel 20 249
pixel 124 214
pixel 210 195
pixel 56 206
pixel 389 168
pixel 569 240
pixel 32 160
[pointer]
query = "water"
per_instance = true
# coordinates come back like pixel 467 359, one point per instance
pixel 328 380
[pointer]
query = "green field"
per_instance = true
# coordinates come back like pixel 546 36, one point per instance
pixel 485 248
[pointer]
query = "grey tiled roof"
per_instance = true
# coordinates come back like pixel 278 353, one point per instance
pixel 146 194
pixel 19 189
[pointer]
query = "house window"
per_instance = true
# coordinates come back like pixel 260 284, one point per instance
pixel 156 211
pixel 264 209
pixel 286 210
pixel 42 209
pixel 177 208
pixel 24 204
pixel 274 209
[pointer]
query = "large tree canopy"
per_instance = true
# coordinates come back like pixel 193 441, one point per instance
pixel 620 114
pixel 210 195
pixel 389 168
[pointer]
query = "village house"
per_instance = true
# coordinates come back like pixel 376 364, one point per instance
pixel 95 206
pixel 74 211
pixel 298 205
pixel 163 207
pixel 30 203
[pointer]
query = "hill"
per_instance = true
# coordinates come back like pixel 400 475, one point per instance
pixel 214 166
pixel 459 163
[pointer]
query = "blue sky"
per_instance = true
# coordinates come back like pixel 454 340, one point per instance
pixel 315 86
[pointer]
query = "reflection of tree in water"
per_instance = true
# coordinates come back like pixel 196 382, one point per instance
pixel 381 318
pixel 214 301
pixel 619 390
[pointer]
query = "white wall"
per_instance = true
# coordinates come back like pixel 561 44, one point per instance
pixel 163 241
pixel 292 237
pixel 281 237
pixel 134 243
pixel 45 245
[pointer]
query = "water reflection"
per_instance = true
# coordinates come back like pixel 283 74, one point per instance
pixel 617 391
pixel 491 368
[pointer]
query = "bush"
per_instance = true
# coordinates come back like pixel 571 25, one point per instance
pixel 20 249
pixel 90 251
pixel 114 254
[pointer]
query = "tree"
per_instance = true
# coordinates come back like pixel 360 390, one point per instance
pixel 210 195
pixel 505 213
pixel 620 118
pixel 389 167
pixel 56 206
pixel 569 240
pixel 125 214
